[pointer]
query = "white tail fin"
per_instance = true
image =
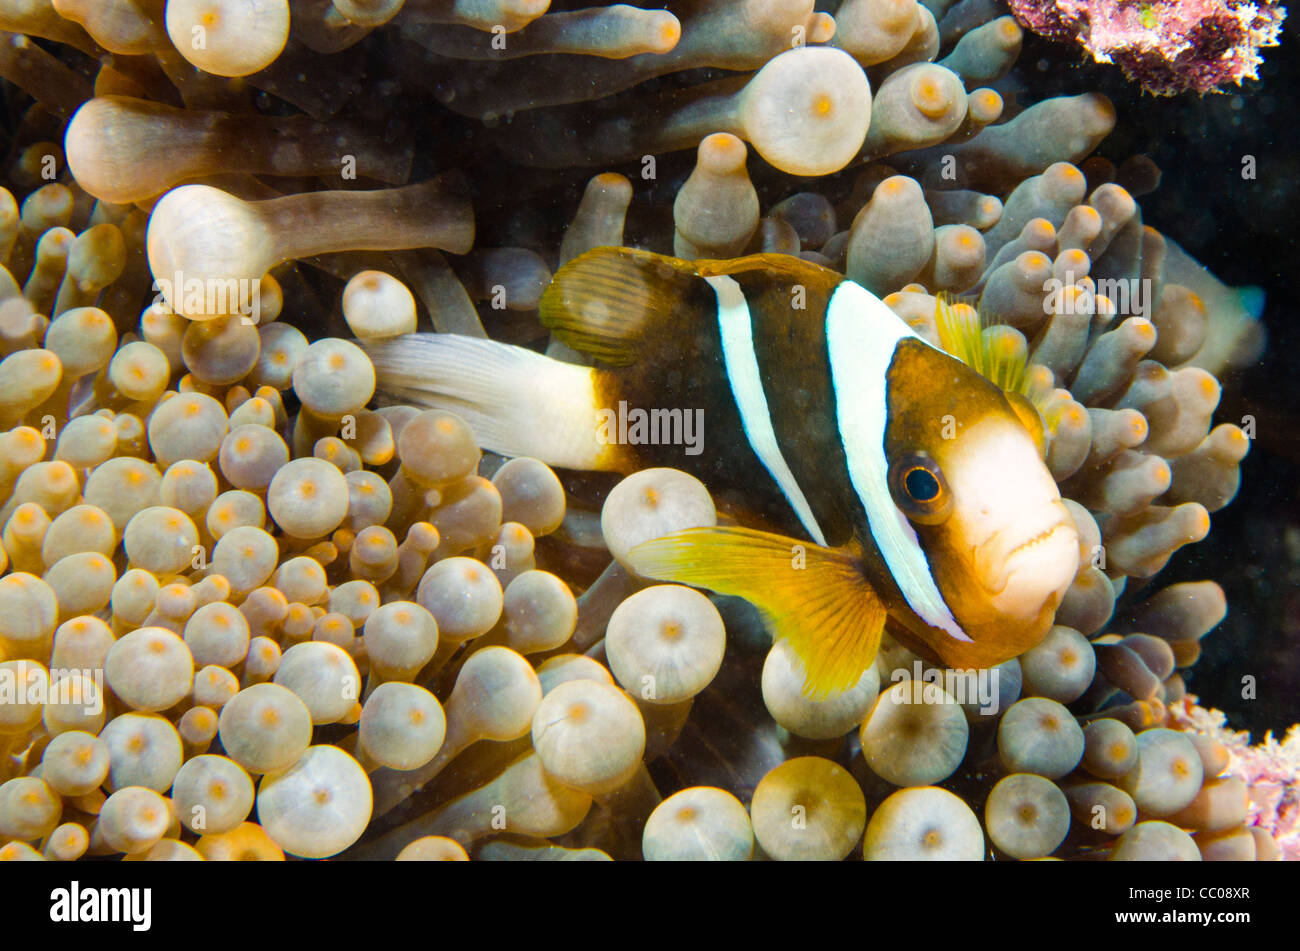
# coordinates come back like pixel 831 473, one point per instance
pixel 519 403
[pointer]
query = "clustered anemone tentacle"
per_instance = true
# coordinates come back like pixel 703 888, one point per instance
pixel 229 579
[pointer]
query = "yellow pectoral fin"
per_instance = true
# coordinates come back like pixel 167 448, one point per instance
pixel 1029 416
pixel 814 597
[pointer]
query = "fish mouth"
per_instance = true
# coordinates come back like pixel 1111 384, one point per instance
pixel 1021 574
pixel 1040 538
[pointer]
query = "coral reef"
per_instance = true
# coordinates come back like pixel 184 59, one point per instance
pixel 1168 47
pixel 253 603
pixel 1270 771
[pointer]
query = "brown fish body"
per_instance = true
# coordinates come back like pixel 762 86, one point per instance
pixel 894 483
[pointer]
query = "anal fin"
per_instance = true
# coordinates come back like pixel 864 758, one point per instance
pixel 814 597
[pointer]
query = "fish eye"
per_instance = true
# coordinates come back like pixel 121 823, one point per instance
pixel 921 484
pixel 919 488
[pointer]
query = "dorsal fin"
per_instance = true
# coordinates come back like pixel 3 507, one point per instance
pixel 606 302
pixel 784 267
pixel 618 303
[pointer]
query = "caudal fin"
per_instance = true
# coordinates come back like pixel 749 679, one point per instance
pixel 519 403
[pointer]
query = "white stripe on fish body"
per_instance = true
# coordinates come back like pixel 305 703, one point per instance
pixel 738 354
pixel 862 336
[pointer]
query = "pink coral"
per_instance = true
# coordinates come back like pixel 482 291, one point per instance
pixel 1169 46
pixel 1270 769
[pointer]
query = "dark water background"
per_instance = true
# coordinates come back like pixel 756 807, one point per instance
pixel 1246 232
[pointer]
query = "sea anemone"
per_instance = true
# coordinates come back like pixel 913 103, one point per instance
pixel 257 598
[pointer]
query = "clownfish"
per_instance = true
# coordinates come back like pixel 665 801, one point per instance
pixel 902 488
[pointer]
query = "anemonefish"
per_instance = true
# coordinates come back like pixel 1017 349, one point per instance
pixel 901 487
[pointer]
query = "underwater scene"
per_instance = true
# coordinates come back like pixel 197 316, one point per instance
pixel 497 430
